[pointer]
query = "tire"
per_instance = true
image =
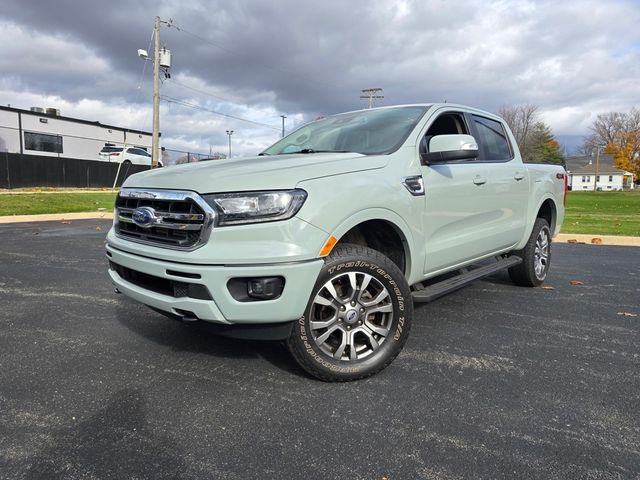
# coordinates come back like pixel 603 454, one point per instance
pixel 358 317
pixel 536 257
pixel 126 163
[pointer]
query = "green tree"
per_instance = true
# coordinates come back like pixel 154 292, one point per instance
pixel 534 137
pixel 542 147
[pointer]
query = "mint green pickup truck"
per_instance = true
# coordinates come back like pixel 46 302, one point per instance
pixel 327 238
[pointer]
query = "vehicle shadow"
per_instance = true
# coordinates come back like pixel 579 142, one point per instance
pixel 197 338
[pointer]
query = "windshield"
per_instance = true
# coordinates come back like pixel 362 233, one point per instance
pixel 370 132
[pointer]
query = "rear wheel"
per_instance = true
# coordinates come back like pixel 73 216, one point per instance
pixel 536 257
pixel 357 319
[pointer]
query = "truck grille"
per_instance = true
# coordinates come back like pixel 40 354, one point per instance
pixel 163 218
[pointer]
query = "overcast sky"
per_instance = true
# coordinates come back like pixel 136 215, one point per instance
pixel 258 60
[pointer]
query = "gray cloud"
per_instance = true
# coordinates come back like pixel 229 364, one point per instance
pixel 258 60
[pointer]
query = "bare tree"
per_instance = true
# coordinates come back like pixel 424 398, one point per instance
pixel 521 120
pixel 618 133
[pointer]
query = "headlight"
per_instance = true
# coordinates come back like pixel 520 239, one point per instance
pixel 254 207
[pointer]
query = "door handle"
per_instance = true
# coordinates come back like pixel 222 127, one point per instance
pixel 478 180
pixel 518 176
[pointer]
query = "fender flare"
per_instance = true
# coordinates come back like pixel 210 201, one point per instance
pixel 414 260
pixel 533 214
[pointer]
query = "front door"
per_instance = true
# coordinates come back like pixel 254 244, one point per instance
pixel 473 207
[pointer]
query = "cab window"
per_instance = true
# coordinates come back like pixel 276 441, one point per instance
pixel 492 138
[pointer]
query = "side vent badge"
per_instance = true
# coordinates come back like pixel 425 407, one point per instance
pixel 414 184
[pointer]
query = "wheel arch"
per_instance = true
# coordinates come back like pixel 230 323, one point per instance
pixel 547 209
pixel 549 212
pixel 384 231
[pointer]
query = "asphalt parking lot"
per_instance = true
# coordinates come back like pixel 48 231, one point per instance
pixel 496 381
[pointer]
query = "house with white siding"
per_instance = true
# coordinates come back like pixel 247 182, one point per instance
pixel 585 173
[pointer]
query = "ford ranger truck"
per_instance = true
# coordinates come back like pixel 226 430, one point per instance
pixel 327 238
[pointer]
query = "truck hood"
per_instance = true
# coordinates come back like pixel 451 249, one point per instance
pixel 277 172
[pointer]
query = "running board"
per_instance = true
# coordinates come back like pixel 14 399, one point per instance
pixel 439 289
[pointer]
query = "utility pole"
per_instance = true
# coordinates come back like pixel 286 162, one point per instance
pixel 595 180
pixel 229 133
pixel 155 139
pixel 371 94
pixel 283 117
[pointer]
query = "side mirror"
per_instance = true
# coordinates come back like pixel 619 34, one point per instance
pixel 445 148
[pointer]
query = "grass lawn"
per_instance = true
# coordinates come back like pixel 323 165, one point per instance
pixel 53 202
pixel 603 213
pixel 598 213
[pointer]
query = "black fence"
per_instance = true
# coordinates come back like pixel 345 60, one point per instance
pixel 23 171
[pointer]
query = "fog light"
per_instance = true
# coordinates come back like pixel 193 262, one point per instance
pixel 265 288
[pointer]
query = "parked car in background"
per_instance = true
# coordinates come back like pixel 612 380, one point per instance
pixel 129 156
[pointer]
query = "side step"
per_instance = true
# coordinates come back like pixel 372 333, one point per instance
pixel 439 289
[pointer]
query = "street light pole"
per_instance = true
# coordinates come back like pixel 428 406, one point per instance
pixel 283 117
pixel 229 133
pixel 155 139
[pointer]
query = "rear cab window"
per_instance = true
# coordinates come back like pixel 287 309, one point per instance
pixel 492 140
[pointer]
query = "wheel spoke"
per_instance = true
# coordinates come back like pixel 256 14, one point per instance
pixel 340 350
pixel 363 286
pixel 373 343
pixel 323 338
pixel 332 291
pixel 319 324
pixel 353 281
pixel 320 300
pixel 373 328
pixel 388 308
pixel 381 296
pixel 353 355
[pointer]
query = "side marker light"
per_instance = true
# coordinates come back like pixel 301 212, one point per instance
pixel 328 246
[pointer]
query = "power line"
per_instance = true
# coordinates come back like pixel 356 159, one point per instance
pixel 199 91
pixel 198 107
pixel 144 66
pixel 202 92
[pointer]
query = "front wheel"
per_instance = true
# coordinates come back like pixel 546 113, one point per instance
pixel 357 319
pixel 536 257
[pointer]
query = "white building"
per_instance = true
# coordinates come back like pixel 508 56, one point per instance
pixel 607 178
pixel 603 177
pixel 46 133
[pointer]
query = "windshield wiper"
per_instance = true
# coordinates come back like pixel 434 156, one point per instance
pixel 312 150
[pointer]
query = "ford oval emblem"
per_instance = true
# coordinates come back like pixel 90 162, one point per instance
pixel 144 217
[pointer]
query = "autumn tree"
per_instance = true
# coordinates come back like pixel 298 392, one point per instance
pixel 542 147
pixel 619 134
pixel 534 138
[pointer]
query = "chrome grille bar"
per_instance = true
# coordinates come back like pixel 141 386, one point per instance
pixel 182 219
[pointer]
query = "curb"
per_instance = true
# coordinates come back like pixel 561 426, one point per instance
pixel 57 217
pixel 597 239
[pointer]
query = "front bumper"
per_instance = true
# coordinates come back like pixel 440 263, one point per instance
pixel 300 278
